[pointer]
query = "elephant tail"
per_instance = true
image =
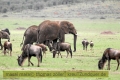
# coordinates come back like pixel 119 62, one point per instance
pixel 22 41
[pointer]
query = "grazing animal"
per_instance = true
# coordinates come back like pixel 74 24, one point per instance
pixel 7 45
pixel 29 51
pixel 91 45
pixel 3 35
pixel 63 46
pixel 44 48
pixel 85 44
pixel 109 54
pixel 6 30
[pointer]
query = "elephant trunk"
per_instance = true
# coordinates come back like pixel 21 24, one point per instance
pixel 75 39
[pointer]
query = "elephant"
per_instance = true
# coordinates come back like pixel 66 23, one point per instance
pixel 3 35
pixel 54 30
pixel 30 36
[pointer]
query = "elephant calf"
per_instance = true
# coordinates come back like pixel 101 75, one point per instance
pixel 44 48
pixel 63 46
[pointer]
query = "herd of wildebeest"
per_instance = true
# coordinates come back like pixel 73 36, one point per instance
pixel 52 34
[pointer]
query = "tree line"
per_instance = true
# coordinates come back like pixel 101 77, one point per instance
pixel 20 5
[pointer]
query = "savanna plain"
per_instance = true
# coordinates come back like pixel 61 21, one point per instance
pixel 82 60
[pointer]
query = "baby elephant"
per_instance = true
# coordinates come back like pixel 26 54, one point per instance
pixel 44 48
pixel 7 45
pixel 63 47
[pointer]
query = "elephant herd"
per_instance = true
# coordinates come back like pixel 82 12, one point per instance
pixel 49 31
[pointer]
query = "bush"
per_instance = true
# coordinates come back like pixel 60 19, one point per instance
pixel 4 10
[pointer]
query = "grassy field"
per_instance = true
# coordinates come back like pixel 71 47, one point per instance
pixel 82 60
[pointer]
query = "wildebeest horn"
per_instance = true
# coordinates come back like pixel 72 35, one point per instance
pixel 76 34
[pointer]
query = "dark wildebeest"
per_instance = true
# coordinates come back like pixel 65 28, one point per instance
pixel 7 45
pixel 109 54
pixel 44 48
pixel 63 46
pixel 3 35
pixel 6 30
pixel 91 45
pixel 29 51
pixel 85 44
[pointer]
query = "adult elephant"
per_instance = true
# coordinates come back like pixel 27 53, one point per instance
pixel 30 35
pixel 3 35
pixel 54 30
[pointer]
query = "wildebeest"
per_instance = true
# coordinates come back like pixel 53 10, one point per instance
pixel 109 54
pixel 6 30
pixel 85 44
pixel 3 35
pixel 91 45
pixel 63 46
pixel 29 51
pixel 7 45
pixel 44 48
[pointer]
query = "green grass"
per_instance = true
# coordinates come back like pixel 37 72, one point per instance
pixel 82 60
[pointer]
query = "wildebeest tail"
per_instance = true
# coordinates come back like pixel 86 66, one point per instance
pixel 40 54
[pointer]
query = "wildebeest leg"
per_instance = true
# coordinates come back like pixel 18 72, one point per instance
pixel 4 51
pixel 30 61
pixel 38 61
pixel 10 53
pixel 83 47
pixel 44 53
pixel 117 62
pixel 67 53
pixel 70 53
pixel 109 64
pixel 60 55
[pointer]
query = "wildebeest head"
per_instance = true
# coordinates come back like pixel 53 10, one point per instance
pixel 100 64
pixel 20 60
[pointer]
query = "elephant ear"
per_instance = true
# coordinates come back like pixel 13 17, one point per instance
pixel 65 27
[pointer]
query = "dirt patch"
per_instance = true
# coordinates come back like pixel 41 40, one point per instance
pixel 108 32
pixel 20 28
